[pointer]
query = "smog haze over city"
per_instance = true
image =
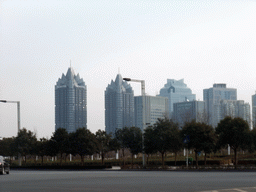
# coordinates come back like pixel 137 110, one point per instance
pixel 201 41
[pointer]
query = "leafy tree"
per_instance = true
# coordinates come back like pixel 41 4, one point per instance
pixel 103 143
pixel 253 140
pixel 149 141
pixel 209 141
pixel 42 148
pixel 120 135
pixel 60 141
pixel 7 147
pixel 201 137
pixel 25 142
pixel 114 144
pixel 163 131
pixel 83 143
pixel 176 144
pixel 235 132
pixel 68 150
pixel 133 140
pixel 51 149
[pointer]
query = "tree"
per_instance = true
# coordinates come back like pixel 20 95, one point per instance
pixel 7 147
pixel 42 148
pixel 201 137
pixel 253 140
pixel 114 144
pixel 203 117
pixel 103 143
pixel 120 135
pixel 51 149
pixel 60 140
pixel 149 141
pixel 234 132
pixel 25 142
pixel 162 130
pixel 83 143
pixel 209 140
pixel 133 141
pixel 176 144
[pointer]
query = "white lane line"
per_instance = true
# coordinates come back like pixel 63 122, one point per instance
pixel 210 191
pixel 233 189
pixel 239 190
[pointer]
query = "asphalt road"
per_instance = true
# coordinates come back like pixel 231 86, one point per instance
pixel 148 181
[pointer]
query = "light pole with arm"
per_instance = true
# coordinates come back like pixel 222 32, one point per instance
pixel 18 117
pixel 18 110
pixel 143 114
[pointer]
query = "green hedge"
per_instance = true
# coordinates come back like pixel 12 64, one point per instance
pixel 69 167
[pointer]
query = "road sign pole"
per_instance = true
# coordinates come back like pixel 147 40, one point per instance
pixel 187 158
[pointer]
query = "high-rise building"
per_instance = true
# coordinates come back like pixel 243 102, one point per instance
pixel 155 107
pixel 244 112
pixel 235 108
pixel 189 110
pixel 119 105
pixel 70 102
pixel 254 110
pixel 212 98
pixel 176 91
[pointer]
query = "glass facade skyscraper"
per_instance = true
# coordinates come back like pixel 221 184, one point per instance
pixel 176 91
pixel 70 102
pixel 254 110
pixel 189 110
pixel 119 105
pixel 237 108
pixel 213 97
pixel 155 107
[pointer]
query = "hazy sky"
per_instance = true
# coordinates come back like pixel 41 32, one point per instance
pixel 202 41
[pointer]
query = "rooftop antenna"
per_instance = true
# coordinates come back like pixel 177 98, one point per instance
pixel 118 70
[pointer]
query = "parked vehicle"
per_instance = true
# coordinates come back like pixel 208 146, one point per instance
pixel 4 166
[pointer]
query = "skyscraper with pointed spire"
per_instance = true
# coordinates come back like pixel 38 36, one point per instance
pixel 119 105
pixel 70 102
pixel 254 110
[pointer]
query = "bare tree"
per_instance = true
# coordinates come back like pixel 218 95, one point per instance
pixel 203 117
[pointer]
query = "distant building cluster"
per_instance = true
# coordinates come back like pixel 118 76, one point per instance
pixel 122 109
pixel 222 101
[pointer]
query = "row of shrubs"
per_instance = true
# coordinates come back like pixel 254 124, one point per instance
pixel 97 165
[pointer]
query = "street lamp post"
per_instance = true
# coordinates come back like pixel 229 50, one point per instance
pixel 143 114
pixel 18 110
pixel 18 117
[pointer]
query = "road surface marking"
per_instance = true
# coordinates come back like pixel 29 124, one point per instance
pixel 239 190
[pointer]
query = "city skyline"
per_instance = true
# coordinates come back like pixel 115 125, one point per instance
pixel 203 42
